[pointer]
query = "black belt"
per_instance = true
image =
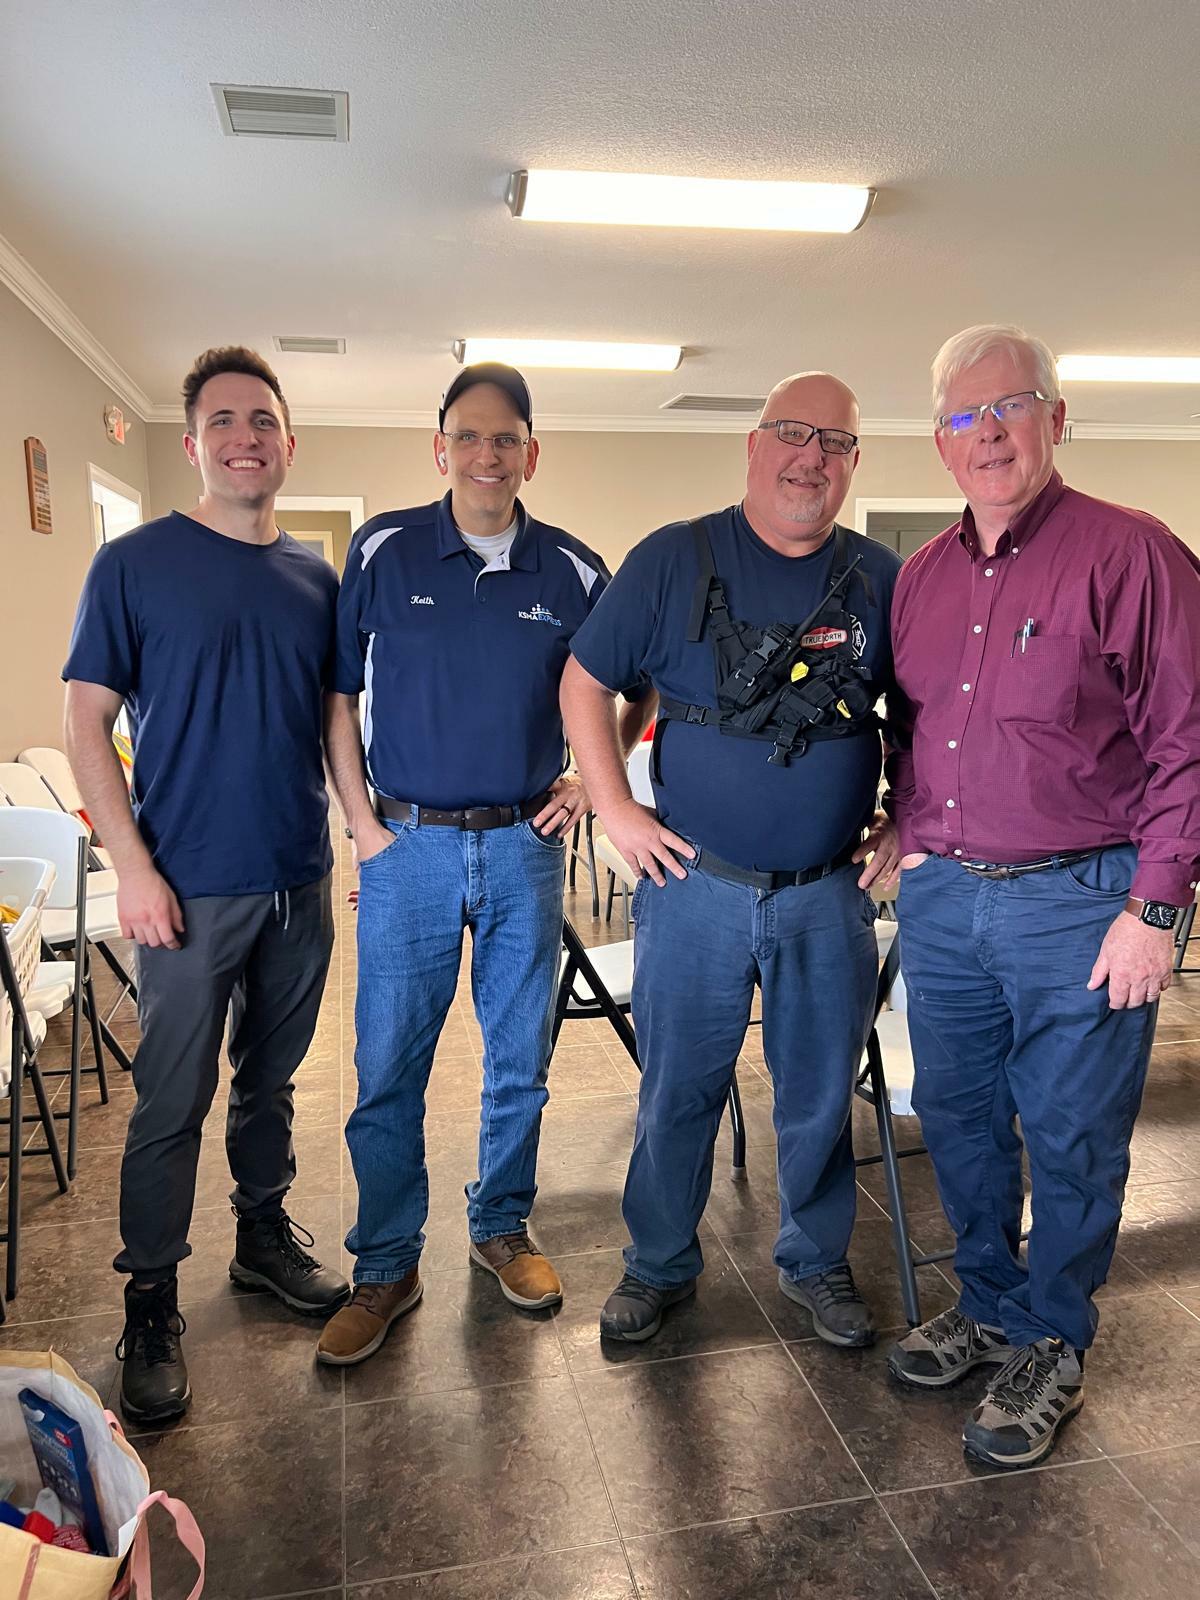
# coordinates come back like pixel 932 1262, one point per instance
pixel 770 881
pixel 1018 869
pixel 475 819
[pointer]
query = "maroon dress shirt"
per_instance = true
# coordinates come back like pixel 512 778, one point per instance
pixel 1053 692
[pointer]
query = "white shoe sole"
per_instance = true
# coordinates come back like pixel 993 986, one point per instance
pixel 352 1360
pixel 554 1299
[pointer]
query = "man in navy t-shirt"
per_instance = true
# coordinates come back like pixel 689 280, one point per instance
pixel 456 619
pixel 216 631
pixel 765 630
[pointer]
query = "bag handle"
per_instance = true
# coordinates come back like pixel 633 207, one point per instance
pixel 186 1531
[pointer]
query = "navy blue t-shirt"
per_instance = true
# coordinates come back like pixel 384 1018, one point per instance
pixel 717 790
pixel 460 661
pixel 221 651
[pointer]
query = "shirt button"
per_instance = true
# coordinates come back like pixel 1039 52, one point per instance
pixel 966 688
pixel 958 852
pixel 987 572
pixel 952 744
pixel 950 803
pixel 977 628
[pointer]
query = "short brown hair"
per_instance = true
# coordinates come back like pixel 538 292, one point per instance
pixel 228 358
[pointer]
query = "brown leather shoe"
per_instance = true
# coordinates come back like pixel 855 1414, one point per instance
pixel 361 1326
pixel 526 1277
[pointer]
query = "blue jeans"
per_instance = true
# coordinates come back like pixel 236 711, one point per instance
pixel 415 899
pixel 1003 1026
pixel 701 946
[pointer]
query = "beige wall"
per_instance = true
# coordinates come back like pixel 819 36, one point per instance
pixel 611 488
pixel 47 392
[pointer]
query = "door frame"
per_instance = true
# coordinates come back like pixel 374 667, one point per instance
pixel 890 502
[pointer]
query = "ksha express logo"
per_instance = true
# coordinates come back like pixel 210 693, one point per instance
pixel 538 613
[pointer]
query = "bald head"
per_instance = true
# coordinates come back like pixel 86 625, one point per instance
pixel 794 492
pixel 830 402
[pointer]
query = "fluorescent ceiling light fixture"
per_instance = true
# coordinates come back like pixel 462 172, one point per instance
pixel 579 354
pixel 1129 369
pixel 639 200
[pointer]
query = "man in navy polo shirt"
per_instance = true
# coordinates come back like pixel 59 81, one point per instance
pixel 216 631
pixel 457 619
pixel 764 629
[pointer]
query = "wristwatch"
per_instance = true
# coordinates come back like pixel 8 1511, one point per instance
pixel 1154 913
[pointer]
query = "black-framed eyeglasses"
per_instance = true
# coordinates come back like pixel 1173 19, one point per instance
pixel 1010 409
pixel 465 439
pixel 834 441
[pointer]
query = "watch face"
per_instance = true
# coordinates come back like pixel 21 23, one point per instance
pixel 1157 914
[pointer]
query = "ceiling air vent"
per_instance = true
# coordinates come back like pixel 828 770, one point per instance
pixel 299 345
pixel 261 113
pixel 737 404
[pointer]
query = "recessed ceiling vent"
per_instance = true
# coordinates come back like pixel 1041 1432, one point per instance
pixel 735 404
pixel 249 112
pixel 298 345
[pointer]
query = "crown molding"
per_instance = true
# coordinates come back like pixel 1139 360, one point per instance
pixel 33 291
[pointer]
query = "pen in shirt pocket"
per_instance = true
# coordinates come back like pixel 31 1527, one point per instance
pixel 1022 634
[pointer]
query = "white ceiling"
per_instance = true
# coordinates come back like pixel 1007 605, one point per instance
pixel 1035 163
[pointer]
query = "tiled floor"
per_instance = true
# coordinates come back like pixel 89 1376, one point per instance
pixel 490 1455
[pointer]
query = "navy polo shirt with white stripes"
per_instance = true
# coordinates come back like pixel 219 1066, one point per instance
pixel 460 661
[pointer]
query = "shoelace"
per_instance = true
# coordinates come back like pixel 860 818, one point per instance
pixel 1023 1379
pixel 833 1288
pixel 158 1324
pixel 288 1241
pixel 947 1327
pixel 634 1289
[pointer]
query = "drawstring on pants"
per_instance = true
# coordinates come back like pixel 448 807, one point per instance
pixel 287 908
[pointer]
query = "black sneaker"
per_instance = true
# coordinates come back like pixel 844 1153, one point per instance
pixel 633 1311
pixel 268 1255
pixel 840 1314
pixel 1026 1404
pixel 154 1378
pixel 943 1350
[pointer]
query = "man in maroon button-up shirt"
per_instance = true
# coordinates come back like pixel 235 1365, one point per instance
pixel 1049 648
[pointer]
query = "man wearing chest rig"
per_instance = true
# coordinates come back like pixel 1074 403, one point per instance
pixel 216 630
pixel 456 618
pixel 1049 814
pixel 764 629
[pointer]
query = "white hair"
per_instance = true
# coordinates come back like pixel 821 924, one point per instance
pixel 972 344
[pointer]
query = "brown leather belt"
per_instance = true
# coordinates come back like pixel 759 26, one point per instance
pixel 475 819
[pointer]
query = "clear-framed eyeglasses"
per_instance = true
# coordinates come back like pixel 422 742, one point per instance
pixel 504 443
pixel 834 441
pixel 1011 410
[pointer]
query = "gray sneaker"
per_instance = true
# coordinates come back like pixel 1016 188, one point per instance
pixel 633 1311
pixel 1026 1404
pixel 943 1350
pixel 840 1314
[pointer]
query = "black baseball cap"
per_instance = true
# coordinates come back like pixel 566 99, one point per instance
pixel 506 378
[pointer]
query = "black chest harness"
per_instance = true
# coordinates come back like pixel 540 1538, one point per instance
pixel 784 685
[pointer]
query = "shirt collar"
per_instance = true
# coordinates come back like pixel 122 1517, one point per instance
pixel 523 554
pixel 1023 526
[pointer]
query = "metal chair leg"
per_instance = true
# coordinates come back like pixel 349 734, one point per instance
pixel 909 1292
pixel 737 1126
pixel 1184 934
pixel 612 889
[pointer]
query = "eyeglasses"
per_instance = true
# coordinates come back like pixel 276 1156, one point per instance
pixel 833 441
pixel 1013 408
pixel 502 442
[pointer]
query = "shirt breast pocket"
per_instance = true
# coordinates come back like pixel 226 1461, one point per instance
pixel 1041 682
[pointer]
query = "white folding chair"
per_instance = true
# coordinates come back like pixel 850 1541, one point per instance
pixel 22 785
pixel 26 884
pixel 637 769
pixel 55 836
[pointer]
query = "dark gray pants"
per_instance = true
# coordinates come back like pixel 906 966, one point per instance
pixel 261 960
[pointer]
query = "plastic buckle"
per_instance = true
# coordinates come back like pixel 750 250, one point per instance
pixel 700 713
